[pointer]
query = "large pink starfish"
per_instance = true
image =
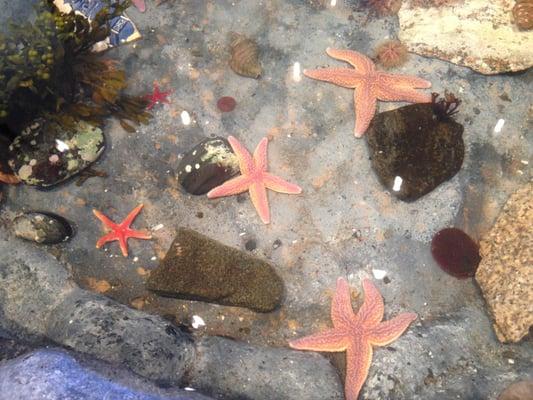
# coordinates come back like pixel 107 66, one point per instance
pixel 254 178
pixel 370 85
pixel 356 334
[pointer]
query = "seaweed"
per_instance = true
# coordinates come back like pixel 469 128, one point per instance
pixel 48 69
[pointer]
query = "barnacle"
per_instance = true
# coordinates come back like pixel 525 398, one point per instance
pixel 523 14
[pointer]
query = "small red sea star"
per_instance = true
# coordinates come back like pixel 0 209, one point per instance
pixel 122 231
pixel 157 97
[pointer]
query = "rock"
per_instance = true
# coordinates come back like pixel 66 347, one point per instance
pixel 505 273
pixel 45 154
pixel 39 300
pixel 199 268
pixel 478 34
pixel 6 173
pixel 522 390
pixel 52 374
pixel 42 227
pixel 207 165
pixel 412 151
pixel 455 252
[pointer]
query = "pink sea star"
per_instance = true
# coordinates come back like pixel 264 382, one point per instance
pixel 370 85
pixel 157 97
pixel 254 178
pixel 140 5
pixel 356 333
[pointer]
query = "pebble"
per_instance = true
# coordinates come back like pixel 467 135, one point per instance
pixel 226 104
pixel 42 227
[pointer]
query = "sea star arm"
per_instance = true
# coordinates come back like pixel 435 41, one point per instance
pixel 236 185
pixel 398 80
pixel 259 199
pixel 371 312
pixel 365 107
pixel 280 185
pixel 106 221
pixel 260 155
pixel 342 313
pixel 329 340
pixel 109 237
pixel 388 331
pixel 344 77
pixel 358 360
pixel 357 60
pixel 131 216
pixel 388 93
pixel 246 162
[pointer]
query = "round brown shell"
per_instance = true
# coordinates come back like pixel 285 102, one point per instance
pixel 245 56
pixel 523 14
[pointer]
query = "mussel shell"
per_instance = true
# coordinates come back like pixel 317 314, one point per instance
pixel 42 227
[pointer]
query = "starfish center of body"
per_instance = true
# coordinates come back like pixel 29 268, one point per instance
pixel 370 85
pixel 254 178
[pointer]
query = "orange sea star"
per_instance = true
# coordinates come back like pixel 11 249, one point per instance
pixel 122 231
pixel 356 334
pixel 370 85
pixel 254 178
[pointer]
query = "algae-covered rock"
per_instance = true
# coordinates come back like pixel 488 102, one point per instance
pixel 42 227
pixel 46 154
pixel 413 150
pixel 199 268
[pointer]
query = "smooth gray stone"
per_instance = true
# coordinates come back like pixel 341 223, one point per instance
pixel 53 374
pixel 38 300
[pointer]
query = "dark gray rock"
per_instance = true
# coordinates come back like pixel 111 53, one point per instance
pixel 54 374
pixel 207 165
pixel 39 300
pixel 42 227
pixel 45 153
pixel 199 268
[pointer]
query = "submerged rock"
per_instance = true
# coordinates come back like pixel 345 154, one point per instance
pixel 413 151
pixel 52 374
pixel 199 268
pixel 479 34
pixel 6 173
pixel 522 390
pixel 505 273
pixel 46 154
pixel 42 227
pixel 207 165
pixel 455 252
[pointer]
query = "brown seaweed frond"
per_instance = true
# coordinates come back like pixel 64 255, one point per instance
pixel 445 107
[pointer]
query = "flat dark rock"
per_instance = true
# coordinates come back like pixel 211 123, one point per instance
pixel 199 268
pixel 412 151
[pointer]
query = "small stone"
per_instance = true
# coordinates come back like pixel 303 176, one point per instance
pixel 455 252
pixel 45 154
pixel 505 273
pixel 250 245
pixel 413 151
pixel 199 268
pixel 207 165
pixel 42 228
pixel 226 104
pixel 276 244
pixel 522 390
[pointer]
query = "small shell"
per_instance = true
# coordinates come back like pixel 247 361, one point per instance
pixel 245 56
pixel 523 14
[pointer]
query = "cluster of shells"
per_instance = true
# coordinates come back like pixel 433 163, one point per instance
pixel 523 14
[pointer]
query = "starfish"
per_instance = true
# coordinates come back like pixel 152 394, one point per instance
pixel 157 97
pixel 254 178
pixel 370 85
pixel 139 4
pixel 356 334
pixel 122 231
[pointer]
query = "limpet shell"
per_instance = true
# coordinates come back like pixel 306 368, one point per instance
pixel 244 56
